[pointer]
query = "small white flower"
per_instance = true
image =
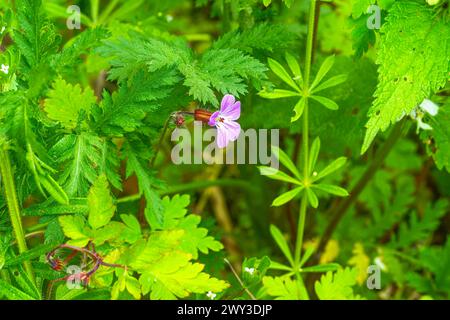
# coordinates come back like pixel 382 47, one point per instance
pixel 2 30
pixel 427 106
pixel 4 69
pixel 211 295
pixel 169 18
pixel 249 270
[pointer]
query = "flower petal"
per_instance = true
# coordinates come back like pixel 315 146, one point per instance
pixel 212 119
pixel 233 112
pixel 221 137
pixel 233 130
pixel 227 101
pixel 429 106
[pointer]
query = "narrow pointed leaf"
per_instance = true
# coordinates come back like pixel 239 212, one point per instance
pixel 281 242
pixel 327 103
pixel 314 153
pixel 286 197
pixel 332 167
pixel 308 253
pixel 282 73
pixel 295 68
pixel 277 94
pixel 328 188
pixel 298 109
pixel 322 268
pixel 324 68
pixel 279 266
pixel 286 161
pixel 312 198
pixel 276 174
pixel 332 82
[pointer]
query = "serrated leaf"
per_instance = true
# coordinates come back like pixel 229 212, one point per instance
pixel 100 202
pixel 423 45
pixel 337 285
pixel 65 102
pixel 281 288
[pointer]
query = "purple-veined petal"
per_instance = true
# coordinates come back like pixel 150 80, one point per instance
pixel 221 137
pixel 227 101
pixel 233 112
pixel 233 130
pixel 212 119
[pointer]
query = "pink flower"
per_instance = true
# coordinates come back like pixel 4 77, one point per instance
pixel 224 120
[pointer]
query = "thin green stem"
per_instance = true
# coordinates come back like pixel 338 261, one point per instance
pixel 305 149
pixel 6 172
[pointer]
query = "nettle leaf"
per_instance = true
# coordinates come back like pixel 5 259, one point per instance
pixel 337 285
pixel 413 59
pixel 65 101
pixel 437 140
pixel 100 202
pixel 282 288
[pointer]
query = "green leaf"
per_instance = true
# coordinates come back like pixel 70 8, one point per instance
pixel 413 58
pixel 313 154
pixel 295 68
pixel 281 241
pixel 100 203
pixel 74 227
pixel 29 254
pixel 337 285
pixel 12 293
pixel 279 70
pixel 332 82
pixel 278 93
pixel 328 188
pixel 324 68
pixel 65 102
pixel 286 197
pixel 322 268
pixel 312 198
pixel 132 232
pixel 332 167
pixel 298 109
pixel 327 103
pixel 276 174
pixel 282 288
pixel 286 161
